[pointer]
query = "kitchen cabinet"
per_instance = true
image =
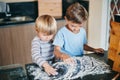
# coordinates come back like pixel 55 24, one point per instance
pixel 51 7
pixel 5 47
pixel 15 43
pixel 114 47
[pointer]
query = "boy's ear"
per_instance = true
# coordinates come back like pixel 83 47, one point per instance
pixel 37 30
pixel 65 17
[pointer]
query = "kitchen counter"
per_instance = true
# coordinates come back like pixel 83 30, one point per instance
pixel 12 72
pixel 105 76
pixel 16 20
pixel 16 72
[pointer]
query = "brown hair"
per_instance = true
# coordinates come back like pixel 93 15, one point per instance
pixel 46 24
pixel 76 13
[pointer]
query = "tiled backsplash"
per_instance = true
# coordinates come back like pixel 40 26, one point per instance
pixel 31 8
pixel 24 9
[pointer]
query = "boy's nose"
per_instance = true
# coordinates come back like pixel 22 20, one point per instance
pixel 76 29
pixel 48 37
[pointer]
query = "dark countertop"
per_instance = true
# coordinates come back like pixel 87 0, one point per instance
pixel 12 23
pixel 7 22
pixel 106 76
pixel 16 20
pixel 12 72
pixel 16 72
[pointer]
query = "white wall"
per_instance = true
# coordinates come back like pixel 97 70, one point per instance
pixel 98 26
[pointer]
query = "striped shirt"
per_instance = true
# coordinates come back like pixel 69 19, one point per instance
pixel 41 51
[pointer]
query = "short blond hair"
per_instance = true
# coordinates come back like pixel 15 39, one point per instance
pixel 46 24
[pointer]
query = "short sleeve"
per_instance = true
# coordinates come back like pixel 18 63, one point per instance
pixel 59 39
pixel 85 37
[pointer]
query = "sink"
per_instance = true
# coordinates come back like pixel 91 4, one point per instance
pixel 20 18
pixel 15 19
pixel 1 20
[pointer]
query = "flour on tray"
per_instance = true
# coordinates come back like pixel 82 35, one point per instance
pixel 84 66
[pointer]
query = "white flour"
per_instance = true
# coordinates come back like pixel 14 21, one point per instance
pixel 85 65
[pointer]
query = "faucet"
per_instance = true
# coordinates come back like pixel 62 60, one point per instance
pixel 7 10
pixel 4 8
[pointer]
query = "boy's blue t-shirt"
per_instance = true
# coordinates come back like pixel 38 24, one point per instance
pixel 70 43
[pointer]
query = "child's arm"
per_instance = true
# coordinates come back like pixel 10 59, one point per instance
pixel 96 50
pixel 39 60
pixel 59 54
pixel 49 69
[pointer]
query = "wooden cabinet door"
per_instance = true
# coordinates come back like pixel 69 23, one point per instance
pixel 15 44
pixel 51 7
pixel 5 47
pixel 22 36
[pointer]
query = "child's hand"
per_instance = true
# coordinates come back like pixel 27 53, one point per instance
pixel 69 61
pixel 66 58
pixel 99 50
pixel 49 69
